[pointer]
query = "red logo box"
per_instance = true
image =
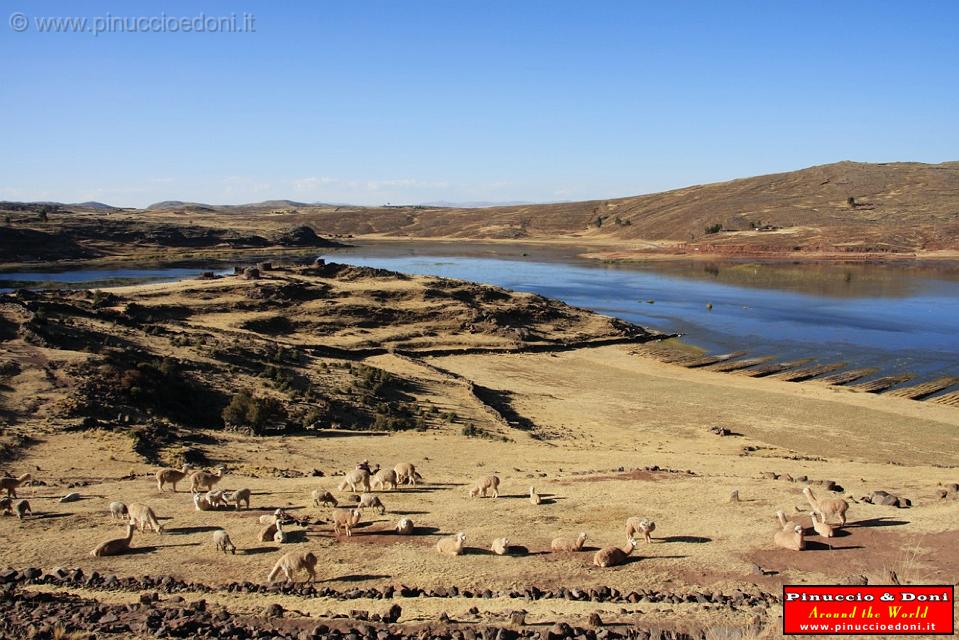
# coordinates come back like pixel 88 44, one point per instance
pixel 869 610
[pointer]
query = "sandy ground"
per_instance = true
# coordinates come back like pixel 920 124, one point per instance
pixel 599 414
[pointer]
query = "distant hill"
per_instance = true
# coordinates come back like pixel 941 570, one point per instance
pixel 895 207
pixel 480 204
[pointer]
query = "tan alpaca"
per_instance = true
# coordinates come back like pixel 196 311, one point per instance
pixel 141 515
pixel 114 547
pixel 614 556
pixel 239 496
pixel 171 477
pixel 406 474
pixel 820 527
pixel 222 542
pixel 383 479
pixel 204 480
pixel 293 561
pixel 267 533
pixel 10 485
pixel 346 519
pixel 640 525
pixel 534 498
pixel 562 545
pixel 405 527
pixel 321 497
pixel 451 545
pixel 500 546
pixel 356 478
pixel 486 485
pixel 827 508
pixel 279 514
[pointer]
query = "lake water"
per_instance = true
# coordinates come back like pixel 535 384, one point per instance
pixel 889 317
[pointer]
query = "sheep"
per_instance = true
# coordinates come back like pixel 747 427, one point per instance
pixel 293 561
pixel 70 497
pixel 202 503
pixel 560 545
pixel 321 497
pixel 356 478
pixel 404 527
pixel 451 545
pixel 171 477
pixel 827 507
pixel 822 528
pixel 118 511
pixel 614 556
pixel 10 485
pixel 345 519
pixel 500 546
pixel 141 515
pixel 6 505
pixel 406 473
pixel 23 508
pixel 483 485
pixel 384 478
pixel 637 525
pixel 114 547
pixel 268 532
pixel 238 496
pixel 222 542
pixel 280 535
pixel 370 501
pixel 203 480
pixel 534 498
pixel 790 535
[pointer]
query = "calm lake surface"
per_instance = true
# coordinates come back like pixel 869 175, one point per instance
pixel 898 319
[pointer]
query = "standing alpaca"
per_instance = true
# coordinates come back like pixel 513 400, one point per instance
pixel 293 561
pixel 640 525
pixel 141 515
pixel 385 478
pixel 10 485
pixel 114 547
pixel 118 511
pixel 487 484
pixel 345 519
pixel 205 481
pixel 613 556
pixel 23 508
pixel 171 477
pixel 406 473
pixel 827 507
pixel 321 497
pixel 534 498
pixel 222 542
pixel 820 527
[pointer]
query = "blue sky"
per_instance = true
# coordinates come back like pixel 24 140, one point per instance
pixel 374 102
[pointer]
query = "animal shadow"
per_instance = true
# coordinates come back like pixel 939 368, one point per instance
pixel 878 522
pixel 252 551
pixel 410 513
pixel 358 577
pixel 686 539
pixel 49 516
pixel 477 551
pixel 814 545
pixel 182 531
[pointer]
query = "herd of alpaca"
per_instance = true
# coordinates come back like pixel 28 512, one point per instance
pixel 826 514
pixel 792 536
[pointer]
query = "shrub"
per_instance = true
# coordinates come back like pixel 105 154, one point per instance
pixel 714 228
pixel 246 411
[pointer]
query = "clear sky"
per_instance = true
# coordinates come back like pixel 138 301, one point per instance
pixel 411 101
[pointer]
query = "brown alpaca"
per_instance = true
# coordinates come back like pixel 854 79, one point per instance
pixel 613 556
pixel 487 485
pixel 10 485
pixel 205 481
pixel 116 546
pixel 827 507
pixel 171 477
pixel 293 561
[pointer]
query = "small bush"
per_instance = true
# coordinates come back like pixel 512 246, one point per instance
pixel 714 228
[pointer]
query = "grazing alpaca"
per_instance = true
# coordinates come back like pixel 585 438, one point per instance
pixel 640 525
pixel 171 477
pixel 118 511
pixel 222 542
pixel 534 497
pixel 324 498
pixel 114 547
pixel 10 485
pixel 385 478
pixel 827 508
pixel 613 556
pixel 293 561
pixel 452 545
pixel 406 473
pixel 820 527
pixel 561 545
pixel 23 508
pixel 369 501
pixel 488 484
pixel 142 515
